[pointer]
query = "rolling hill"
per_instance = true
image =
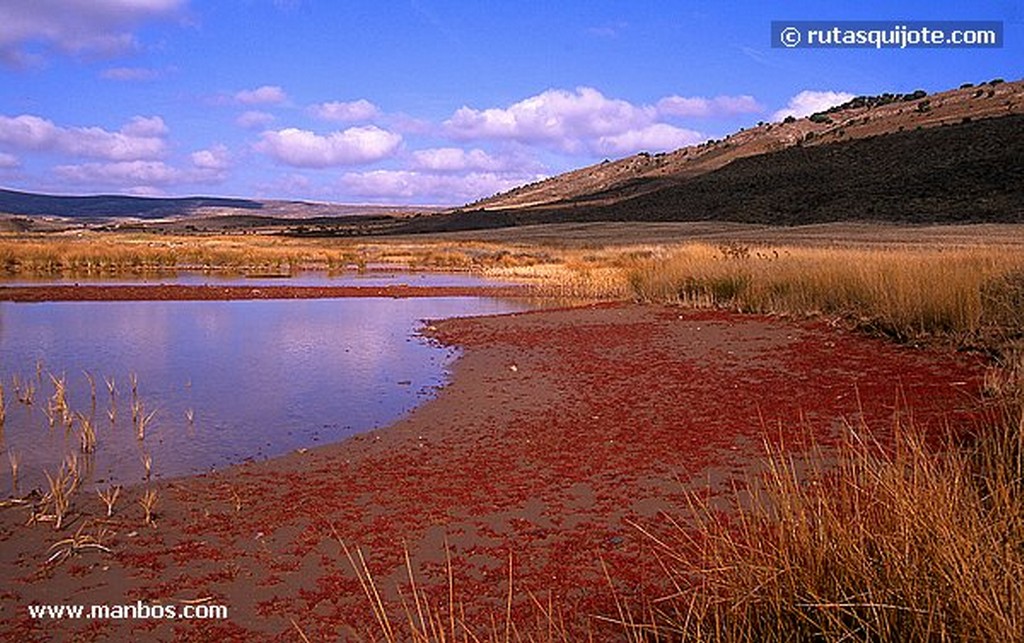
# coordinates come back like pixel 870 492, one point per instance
pixel 952 157
pixel 106 208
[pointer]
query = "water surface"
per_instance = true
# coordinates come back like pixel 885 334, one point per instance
pixel 259 378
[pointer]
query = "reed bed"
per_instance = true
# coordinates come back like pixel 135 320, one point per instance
pixel 902 292
pixel 110 254
pixel 66 474
pixel 902 542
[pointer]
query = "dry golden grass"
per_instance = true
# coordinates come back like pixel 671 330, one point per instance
pixel 109 497
pixel 148 503
pixel 417 617
pixel 110 254
pixel 902 289
pixel 904 292
pixel 906 542
pixel 57 501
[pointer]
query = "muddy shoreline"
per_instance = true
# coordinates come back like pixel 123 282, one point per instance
pixel 559 431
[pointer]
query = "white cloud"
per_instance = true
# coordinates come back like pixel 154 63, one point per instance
pixel 808 102
pixel 659 137
pixel 8 161
pixel 141 126
pixel 353 146
pixel 254 119
pixel 700 107
pixel 357 110
pixel 582 121
pixel 217 158
pixel 265 95
pixel 403 186
pixel 141 138
pixel 96 27
pixel 566 120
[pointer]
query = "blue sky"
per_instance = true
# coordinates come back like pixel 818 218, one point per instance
pixel 422 101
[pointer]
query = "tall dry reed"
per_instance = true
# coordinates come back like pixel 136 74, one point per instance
pixel 904 292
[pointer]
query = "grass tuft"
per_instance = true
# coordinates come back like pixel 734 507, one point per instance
pixel 109 497
pixel 148 503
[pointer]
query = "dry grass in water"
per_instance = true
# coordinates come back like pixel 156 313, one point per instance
pixel 92 386
pixel 147 464
pixel 148 503
pixel 15 460
pixel 57 501
pixel 58 407
pixel 24 392
pixel 86 434
pixel 142 420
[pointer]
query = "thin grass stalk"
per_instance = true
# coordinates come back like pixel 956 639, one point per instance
pixel 148 502
pixel 109 497
pixel 15 460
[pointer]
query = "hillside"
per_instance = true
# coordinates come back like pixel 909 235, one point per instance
pixel 965 173
pixel 861 118
pixel 953 157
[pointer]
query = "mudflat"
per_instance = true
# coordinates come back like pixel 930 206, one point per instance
pixel 560 432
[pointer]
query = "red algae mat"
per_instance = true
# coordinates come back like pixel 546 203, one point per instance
pixel 561 430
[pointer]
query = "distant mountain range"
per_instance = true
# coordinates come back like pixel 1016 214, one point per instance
pixel 113 207
pixel 110 206
pixel 951 157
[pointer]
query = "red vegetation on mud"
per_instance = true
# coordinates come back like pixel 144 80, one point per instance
pixel 560 428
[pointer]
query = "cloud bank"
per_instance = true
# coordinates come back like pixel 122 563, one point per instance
pixel 353 146
pixel 93 28
pixel 583 121
pixel 809 102
pixel 141 138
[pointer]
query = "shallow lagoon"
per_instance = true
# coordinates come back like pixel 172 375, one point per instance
pixel 258 378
